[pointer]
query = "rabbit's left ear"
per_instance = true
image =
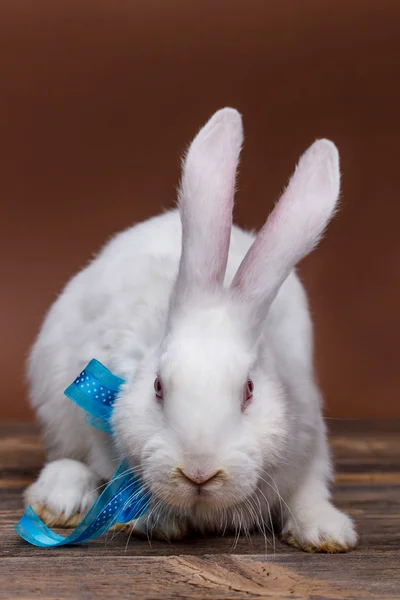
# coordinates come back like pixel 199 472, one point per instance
pixel 293 229
pixel 206 202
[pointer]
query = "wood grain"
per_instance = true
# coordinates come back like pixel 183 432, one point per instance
pixel 368 487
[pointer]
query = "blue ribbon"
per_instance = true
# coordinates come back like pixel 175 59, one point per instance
pixel 123 499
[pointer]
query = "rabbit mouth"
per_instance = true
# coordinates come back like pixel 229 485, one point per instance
pixel 197 499
pixel 197 487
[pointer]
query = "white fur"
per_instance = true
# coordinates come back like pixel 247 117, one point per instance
pixel 65 487
pixel 129 309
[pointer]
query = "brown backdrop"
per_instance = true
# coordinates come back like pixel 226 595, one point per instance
pixel 98 99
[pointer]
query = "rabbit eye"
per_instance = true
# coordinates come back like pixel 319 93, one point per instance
pixel 158 388
pixel 247 394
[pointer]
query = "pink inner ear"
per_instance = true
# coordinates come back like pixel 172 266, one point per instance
pixel 247 277
pixel 293 228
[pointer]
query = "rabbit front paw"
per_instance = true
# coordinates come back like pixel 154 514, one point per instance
pixel 322 529
pixel 63 493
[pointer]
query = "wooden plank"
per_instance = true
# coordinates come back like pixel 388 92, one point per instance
pixel 221 577
pixel 368 487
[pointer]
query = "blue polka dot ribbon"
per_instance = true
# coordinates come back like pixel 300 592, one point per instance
pixel 123 499
pixel 95 390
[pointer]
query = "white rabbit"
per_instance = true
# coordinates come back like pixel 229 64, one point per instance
pixel 210 328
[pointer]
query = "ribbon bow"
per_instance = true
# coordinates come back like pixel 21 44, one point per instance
pixel 123 499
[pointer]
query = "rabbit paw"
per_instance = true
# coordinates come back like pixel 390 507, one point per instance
pixel 323 529
pixel 63 493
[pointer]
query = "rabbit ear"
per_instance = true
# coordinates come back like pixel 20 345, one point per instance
pixel 293 229
pixel 206 201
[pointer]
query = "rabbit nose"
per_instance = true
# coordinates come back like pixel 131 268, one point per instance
pixel 200 477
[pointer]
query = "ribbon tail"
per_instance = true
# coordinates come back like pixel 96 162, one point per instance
pixel 123 496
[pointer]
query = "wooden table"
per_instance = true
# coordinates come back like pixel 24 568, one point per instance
pixel 368 487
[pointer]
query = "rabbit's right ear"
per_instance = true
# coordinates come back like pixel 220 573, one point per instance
pixel 206 202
